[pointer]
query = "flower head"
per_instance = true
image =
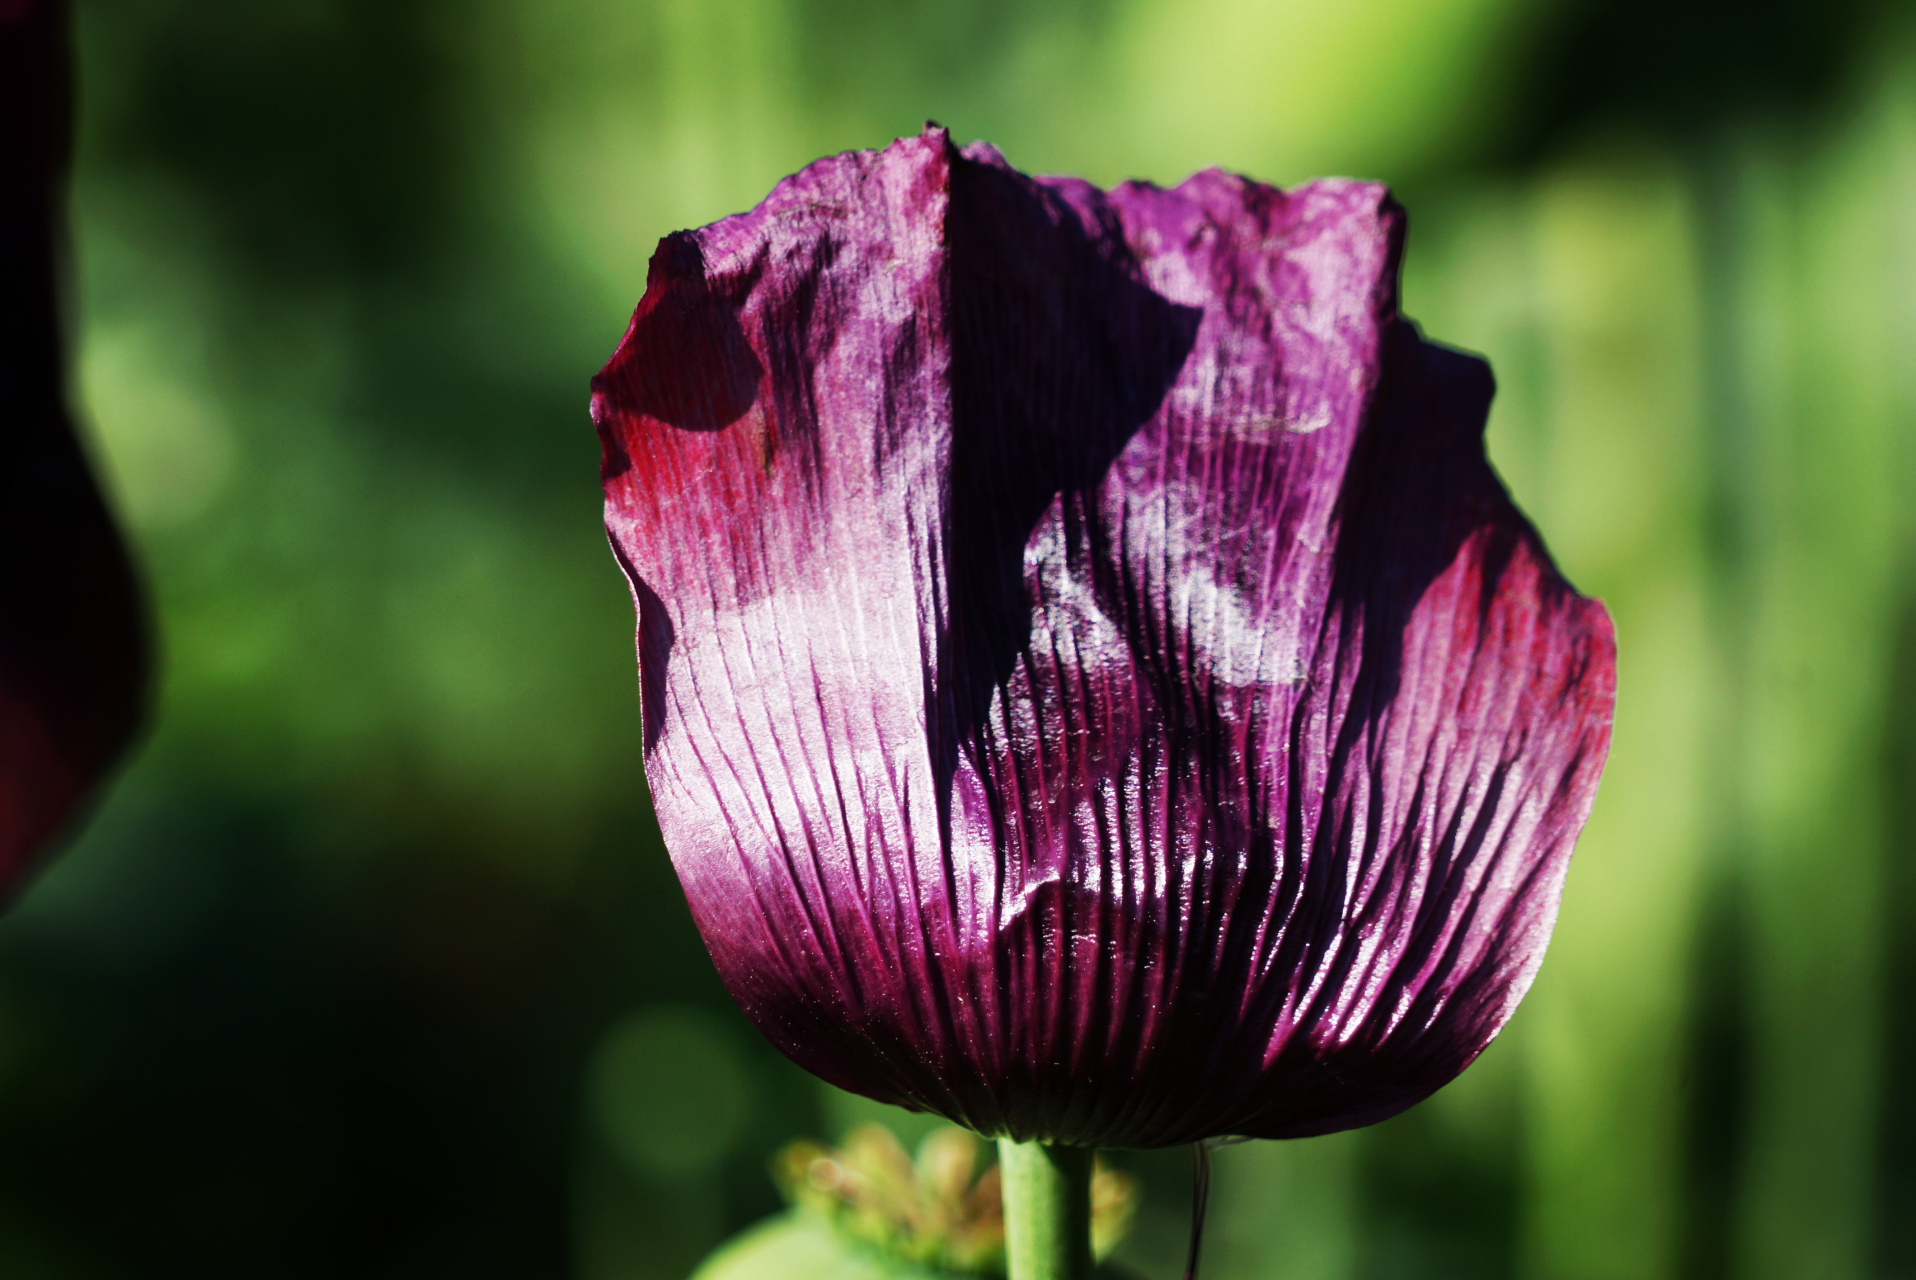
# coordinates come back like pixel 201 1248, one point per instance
pixel 1094 686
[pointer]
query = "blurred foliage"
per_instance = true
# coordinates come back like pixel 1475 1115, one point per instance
pixel 800 1246
pixel 373 965
pixel 941 1208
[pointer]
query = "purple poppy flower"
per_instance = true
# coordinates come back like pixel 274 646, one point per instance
pixel 72 647
pixel 1094 686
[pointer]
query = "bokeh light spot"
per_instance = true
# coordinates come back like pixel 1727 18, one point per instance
pixel 668 1091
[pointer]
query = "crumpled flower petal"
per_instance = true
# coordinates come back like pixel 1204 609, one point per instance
pixel 1094 686
pixel 72 634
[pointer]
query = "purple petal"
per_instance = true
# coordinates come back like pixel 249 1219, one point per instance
pixel 1094 686
pixel 72 647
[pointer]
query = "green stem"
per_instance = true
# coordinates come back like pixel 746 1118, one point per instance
pixel 1047 1194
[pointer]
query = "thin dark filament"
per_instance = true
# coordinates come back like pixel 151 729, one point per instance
pixel 1200 1201
pixel 1201 1193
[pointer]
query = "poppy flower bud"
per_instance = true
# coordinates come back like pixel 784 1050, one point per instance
pixel 72 637
pixel 1094 686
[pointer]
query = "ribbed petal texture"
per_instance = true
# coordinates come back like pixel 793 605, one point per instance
pixel 72 637
pixel 1094 686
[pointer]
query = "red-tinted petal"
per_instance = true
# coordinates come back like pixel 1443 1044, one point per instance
pixel 1095 687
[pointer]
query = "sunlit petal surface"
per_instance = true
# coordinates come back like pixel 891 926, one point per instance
pixel 1094 686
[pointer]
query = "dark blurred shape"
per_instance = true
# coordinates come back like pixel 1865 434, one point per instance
pixel 1678 67
pixel 73 650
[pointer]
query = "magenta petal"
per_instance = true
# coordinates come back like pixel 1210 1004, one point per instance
pixel 1094 686
pixel 72 637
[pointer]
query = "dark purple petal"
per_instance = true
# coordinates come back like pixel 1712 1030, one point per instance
pixel 1094 686
pixel 72 646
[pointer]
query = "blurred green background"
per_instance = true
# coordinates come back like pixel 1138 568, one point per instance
pixel 372 964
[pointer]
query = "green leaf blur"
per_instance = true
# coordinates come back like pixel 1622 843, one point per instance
pixel 373 965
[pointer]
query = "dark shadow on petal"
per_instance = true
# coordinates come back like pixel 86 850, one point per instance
pixel 796 340
pixel 656 637
pixel 687 363
pixel 1059 355
pixel 1418 485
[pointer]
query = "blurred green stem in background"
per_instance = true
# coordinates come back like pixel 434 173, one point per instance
pixel 1047 1192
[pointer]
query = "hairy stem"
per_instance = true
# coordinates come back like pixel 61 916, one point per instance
pixel 1047 1193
